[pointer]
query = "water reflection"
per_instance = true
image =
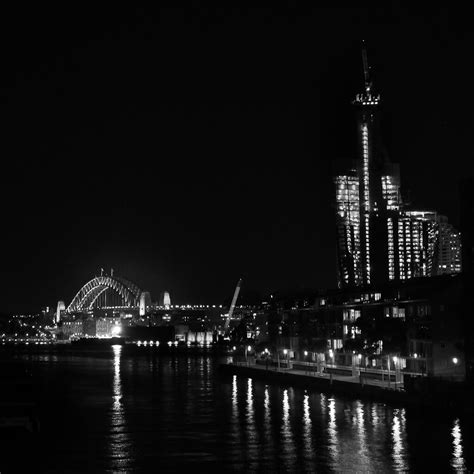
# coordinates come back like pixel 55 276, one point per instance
pixel 117 389
pixel 332 432
pixel 252 441
pixel 361 432
pixel 286 433
pixel 138 419
pixel 307 430
pixel 235 412
pixel 250 411
pixel 398 448
pixel 375 417
pixel 119 441
pixel 234 398
pixel 457 461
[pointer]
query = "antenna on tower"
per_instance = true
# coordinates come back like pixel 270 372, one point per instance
pixel 365 63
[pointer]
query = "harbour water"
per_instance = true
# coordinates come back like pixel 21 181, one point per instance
pixel 129 409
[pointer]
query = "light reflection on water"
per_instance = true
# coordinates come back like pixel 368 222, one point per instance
pixel 251 431
pixel 361 432
pixel 398 443
pixel 120 445
pixel 176 413
pixel 267 438
pixel 287 442
pixel 332 433
pixel 457 461
pixel 307 433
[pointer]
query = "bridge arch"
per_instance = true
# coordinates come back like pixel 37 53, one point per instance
pixel 90 292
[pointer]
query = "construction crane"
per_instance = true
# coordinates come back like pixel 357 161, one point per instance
pixel 232 306
pixel 365 63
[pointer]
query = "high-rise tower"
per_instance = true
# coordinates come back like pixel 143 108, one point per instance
pixel 377 239
pixel 377 182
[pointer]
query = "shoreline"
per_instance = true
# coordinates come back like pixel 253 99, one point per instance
pixel 454 400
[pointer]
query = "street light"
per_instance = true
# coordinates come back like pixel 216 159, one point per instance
pixel 455 360
pixel 247 350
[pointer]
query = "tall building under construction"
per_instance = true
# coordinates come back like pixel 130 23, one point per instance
pixel 378 238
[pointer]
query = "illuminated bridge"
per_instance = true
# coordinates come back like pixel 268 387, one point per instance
pixel 108 291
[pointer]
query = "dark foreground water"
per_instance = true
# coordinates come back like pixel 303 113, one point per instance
pixel 135 410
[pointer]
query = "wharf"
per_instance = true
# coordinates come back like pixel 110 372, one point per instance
pixel 456 399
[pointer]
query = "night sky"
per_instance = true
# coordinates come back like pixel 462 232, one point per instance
pixel 188 148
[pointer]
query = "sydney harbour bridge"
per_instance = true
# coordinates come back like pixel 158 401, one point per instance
pixel 110 292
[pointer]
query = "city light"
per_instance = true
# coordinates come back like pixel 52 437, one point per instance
pixel 305 353
pixel 395 359
pixel 455 360
pixel 285 351
pixel 116 330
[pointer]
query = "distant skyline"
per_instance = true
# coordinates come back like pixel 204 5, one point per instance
pixel 190 148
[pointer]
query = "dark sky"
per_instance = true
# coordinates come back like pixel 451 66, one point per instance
pixel 188 148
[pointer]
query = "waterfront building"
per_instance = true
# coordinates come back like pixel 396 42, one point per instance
pixel 71 328
pixel 108 326
pixel 418 322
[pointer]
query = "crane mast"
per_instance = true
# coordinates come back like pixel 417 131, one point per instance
pixel 365 63
pixel 232 306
